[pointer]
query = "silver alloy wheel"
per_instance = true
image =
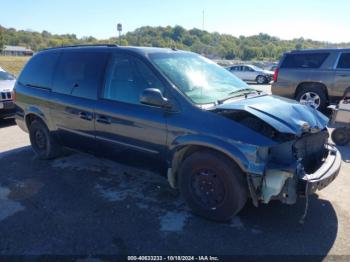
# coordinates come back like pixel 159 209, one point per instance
pixel 261 79
pixel 310 98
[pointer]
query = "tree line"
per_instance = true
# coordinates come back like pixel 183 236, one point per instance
pixel 213 45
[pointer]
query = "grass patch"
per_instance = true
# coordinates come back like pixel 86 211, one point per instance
pixel 13 64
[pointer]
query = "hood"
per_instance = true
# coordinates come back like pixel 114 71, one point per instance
pixel 285 115
pixel 7 85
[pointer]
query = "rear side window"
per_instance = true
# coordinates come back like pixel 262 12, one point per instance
pixel 39 70
pixel 80 73
pixel 311 60
pixel 344 61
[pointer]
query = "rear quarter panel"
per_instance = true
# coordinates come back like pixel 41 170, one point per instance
pixel 290 79
pixel 32 101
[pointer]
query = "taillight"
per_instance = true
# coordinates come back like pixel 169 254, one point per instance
pixel 275 75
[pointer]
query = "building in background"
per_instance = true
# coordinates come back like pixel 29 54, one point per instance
pixel 10 50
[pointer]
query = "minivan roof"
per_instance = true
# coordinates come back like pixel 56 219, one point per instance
pixel 319 50
pixel 141 50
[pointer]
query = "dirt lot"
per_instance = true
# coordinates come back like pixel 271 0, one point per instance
pixel 82 205
pixel 13 64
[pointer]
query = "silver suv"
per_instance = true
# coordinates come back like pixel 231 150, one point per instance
pixel 315 77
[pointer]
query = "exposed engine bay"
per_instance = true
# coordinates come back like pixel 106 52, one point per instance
pixel 287 163
pixel 253 122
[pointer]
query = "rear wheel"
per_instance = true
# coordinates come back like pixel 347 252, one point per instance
pixel 42 141
pixel 212 185
pixel 340 136
pixel 312 96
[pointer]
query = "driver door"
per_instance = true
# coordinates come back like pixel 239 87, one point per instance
pixel 122 122
pixel 249 73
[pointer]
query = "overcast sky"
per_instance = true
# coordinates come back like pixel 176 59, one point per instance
pixel 324 20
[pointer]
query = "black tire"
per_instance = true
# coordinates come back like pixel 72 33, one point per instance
pixel 316 90
pixel 43 143
pixel 227 189
pixel 340 136
pixel 261 80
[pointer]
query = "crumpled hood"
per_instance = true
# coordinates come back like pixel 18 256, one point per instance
pixel 7 85
pixel 285 115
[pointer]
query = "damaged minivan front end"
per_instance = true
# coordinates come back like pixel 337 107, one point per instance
pixel 299 159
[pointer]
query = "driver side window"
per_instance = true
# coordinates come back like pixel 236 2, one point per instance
pixel 127 77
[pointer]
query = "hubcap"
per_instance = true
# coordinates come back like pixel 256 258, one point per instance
pixel 40 139
pixel 261 79
pixel 310 98
pixel 208 188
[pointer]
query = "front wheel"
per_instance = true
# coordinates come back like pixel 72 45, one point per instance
pixel 212 185
pixel 43 143
pixel 261 80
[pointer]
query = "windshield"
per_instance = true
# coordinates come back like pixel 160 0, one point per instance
pixel 256 68
pixel 200 79
pixel 6 76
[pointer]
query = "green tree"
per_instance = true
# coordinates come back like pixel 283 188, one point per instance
pixel 214 45
pixel 1 40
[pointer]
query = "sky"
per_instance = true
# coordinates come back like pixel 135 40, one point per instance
pixel 325 20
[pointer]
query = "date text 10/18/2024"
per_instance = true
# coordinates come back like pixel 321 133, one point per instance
pixel 173 258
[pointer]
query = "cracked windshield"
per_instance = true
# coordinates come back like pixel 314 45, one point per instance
pixel 199 78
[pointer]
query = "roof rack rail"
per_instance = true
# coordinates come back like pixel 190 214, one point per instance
pixel 82 45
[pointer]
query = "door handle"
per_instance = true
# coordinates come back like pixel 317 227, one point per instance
pixel 343 75
pixel 103 120
pixel 85 116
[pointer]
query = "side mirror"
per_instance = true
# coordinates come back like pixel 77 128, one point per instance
pixel 154 97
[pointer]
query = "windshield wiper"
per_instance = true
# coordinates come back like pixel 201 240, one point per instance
pixel 239 92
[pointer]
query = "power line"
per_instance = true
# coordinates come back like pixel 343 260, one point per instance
pixel 203 20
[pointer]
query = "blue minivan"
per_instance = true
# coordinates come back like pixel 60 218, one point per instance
pixel 223 142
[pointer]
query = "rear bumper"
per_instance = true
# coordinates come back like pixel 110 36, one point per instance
pixel 280 89
pixel 325 175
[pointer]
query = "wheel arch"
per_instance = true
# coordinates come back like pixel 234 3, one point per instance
pixel 181 151
pixel 302 85
pixel 34 113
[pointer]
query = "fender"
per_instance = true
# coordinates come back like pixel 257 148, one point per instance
pixel 229 149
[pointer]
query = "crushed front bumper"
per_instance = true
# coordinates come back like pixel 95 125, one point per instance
pixel 323 176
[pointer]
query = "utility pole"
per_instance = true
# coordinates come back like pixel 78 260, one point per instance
pixel 120 29
pixel 203 21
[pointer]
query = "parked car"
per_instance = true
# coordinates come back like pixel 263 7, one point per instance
pixel 7 82
pixel 251 73
pixel 223 142
pixel 314 77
